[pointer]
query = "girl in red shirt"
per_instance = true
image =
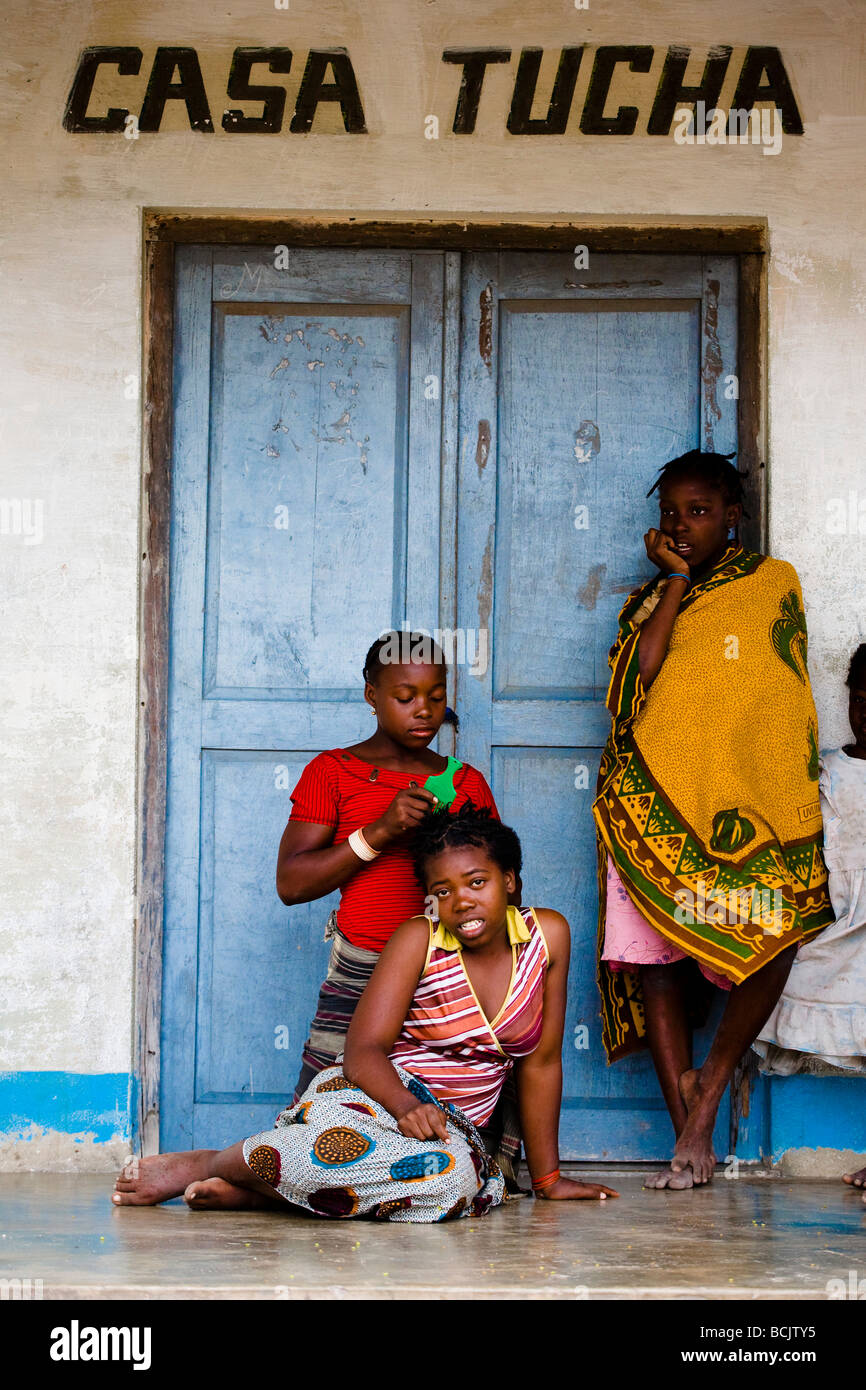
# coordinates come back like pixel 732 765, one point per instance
pixel 351 811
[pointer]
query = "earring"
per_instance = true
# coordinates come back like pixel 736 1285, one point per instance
pixel 732 531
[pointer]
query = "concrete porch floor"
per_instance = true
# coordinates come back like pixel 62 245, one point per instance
pixel 749 1238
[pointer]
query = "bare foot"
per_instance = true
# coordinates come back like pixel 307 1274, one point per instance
pixel 565 1189
pixel 694 1160
pixel 144 1182
pixel 857 1179
pixel 215 1194
pixel 694 1147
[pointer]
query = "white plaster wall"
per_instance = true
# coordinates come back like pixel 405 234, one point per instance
pixel 71 341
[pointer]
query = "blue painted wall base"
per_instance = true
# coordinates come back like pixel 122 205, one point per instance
pixel 805 1112
pixel 811 1112
pixel 68 1102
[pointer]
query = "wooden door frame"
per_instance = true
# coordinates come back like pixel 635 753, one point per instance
pixel 746 238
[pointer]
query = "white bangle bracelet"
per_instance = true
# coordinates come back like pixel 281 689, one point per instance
pixel 361 848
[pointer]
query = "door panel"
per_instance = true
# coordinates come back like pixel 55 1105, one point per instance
pixel 575 388
pixel 321 479
pixel 255 986
pixel 575 436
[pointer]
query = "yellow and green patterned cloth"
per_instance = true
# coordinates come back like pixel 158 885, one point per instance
pixel 708 787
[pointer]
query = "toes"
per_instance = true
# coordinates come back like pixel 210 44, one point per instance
pixel 700 1170
pixel 674 1179
pixel 199 1195
pixel 658 1181
pixel 681 1180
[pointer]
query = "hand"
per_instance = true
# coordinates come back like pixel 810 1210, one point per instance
pixel 407 810
pixel 567 1191
pixel 424 1122
pixel 660 550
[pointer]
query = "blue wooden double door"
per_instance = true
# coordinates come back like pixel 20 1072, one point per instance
pixel 366 439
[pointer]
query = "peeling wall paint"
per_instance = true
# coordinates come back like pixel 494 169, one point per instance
pixel 54 1120
pixel 40 1150
pixel 819 1163
pixel 70 414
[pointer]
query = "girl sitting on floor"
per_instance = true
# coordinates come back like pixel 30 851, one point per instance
pixel 452 1007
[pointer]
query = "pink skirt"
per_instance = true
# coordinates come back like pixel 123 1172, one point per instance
pixel 629 940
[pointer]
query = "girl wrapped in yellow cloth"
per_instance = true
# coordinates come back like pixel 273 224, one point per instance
pixel 708 815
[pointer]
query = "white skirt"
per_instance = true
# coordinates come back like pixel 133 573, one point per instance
pixel 819 1023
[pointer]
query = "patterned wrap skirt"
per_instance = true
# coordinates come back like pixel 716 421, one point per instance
pixel 338 1153
pixel 349 969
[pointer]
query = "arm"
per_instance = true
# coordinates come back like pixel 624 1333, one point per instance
pixel 655 633
pixel 539 1076
pixel 377 1021
pixel 310 865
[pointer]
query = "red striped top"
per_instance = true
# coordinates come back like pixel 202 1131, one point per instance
pixel 338 789
pixel 447 1040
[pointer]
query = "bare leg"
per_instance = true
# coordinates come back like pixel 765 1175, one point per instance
pixel 231 1186
pixel 668 1032
pixel 747 1010
pixel 144 1182
pixel 670 1042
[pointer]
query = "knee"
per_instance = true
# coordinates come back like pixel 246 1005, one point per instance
pixel 663 979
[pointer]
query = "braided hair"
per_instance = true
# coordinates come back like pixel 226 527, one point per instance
pixel 857 670
pixel 715 470
pixel 470 825
pixel 412 646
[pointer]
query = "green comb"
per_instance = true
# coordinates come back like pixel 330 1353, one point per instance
pixel 441 784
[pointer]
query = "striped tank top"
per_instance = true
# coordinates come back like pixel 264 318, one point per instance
pixel 448 1042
